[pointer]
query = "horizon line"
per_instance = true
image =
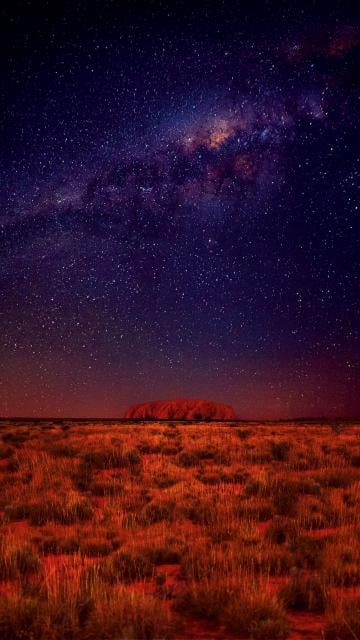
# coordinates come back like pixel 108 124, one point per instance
pixel 122 419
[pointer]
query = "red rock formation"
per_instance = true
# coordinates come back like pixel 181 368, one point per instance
pixel 181 409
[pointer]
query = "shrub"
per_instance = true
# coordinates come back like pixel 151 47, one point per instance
pixel 19 511
pixel 344 571
pixel 280 450
pixel 13 465
pixel 198 511
pixel 164 480
pixel 307 552
pixel 78 610
pixel 148 447
pixel 243 434
pixel 339 479
pixel 355 460
pixel 203 600
pixel 126 567
pixel 304 593
pixel 280 531
pixel 69 545
pixel 285 499
pixel 82 478
pixel 309 487
pixel 5 452
pixel 96 547
pixel 313 514
pixel 170 450
pixel 350 499
pixel 17 438
pixel 53 544
pixel 172 428
pixel 259 614
pixel 111 458
pixel 63 451
pixel 209 477
pixel 167 554
pixel 265 560
pixel 156 511
pixel 18 618
pixel 242 611
pixel 259 509
pixel 20 560
pixel 186 459
pixel 106 487
pixel 236 476
pixel 255 488
pixel 65 511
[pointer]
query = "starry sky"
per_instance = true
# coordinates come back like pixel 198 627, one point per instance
pixel 179 206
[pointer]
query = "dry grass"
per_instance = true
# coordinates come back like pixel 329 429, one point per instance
pixel 133 531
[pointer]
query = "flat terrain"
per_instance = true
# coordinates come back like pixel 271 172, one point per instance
pixel 172 530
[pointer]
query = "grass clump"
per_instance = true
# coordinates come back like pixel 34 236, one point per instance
pixel 307 552
pixel 186 459
pixel 5 452
pixel 240 609
pixel 126 566
pixel 66 510
pixel 18 560
pixel 165 480
pixel 280 531
pixel 80 609
pixel 285 498
pixel 243 434
pixel 157 511
pixel 63 451
pixel 304 593
pixel 280 450
pixel 111 458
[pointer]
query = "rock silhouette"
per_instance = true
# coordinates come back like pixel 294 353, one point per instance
pixel 181 409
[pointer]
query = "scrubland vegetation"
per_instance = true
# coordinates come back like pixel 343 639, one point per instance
pixel 171 530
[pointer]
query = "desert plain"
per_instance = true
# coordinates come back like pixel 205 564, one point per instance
pixel 185 530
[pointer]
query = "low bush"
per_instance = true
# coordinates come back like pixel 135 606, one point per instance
pixel 242 611
pixel 18 561
pixel 96 547
pixel 165 480
pixel 307 551
pixel 186 459
pixel 243 434
pixel 63 511
pixel 63 451
pixel 111 458
pixel 280 450
pixel 285 498
pixel 280 531
pixel 158 510
pixel 337 479
pixel 126 566
pixel 5 452
pixel 304 593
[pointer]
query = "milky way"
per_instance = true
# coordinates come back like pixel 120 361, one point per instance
pixel 179 208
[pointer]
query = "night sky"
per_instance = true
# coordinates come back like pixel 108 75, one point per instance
pixel 179 206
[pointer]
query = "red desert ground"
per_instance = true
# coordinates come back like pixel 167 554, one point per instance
pixel 179 522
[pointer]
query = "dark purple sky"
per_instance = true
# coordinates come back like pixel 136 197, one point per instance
pixel 179 206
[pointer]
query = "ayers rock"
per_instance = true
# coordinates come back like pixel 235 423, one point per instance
pixel 181 409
